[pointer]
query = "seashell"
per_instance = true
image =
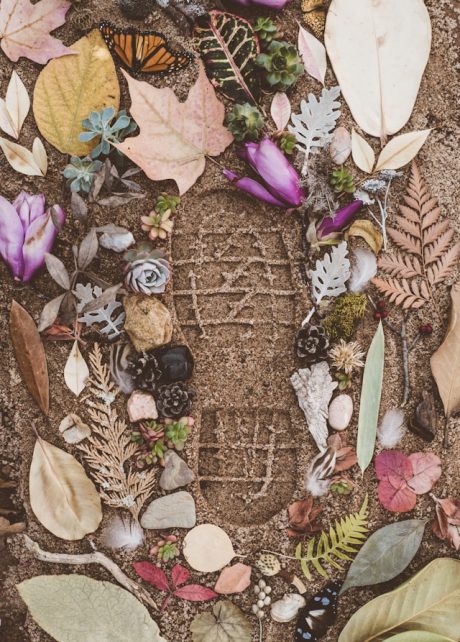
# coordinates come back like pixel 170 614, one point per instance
pixel 286 609
pixel 268 565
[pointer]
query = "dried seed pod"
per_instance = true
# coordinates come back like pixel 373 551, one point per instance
pixel 425 420
pixel 268 564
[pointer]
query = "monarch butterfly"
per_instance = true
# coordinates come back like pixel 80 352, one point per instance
pixel 146 52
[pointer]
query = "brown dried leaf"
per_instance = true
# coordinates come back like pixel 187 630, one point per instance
pixel 302 516
pixel 30 355
pixel 50 312
pixel 446 526
pixel 88 249
pixel 400 265
pixel 406 294
pixel 57 271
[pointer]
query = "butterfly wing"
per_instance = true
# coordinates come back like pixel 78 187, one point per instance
pixel 158 58
pixel 318 614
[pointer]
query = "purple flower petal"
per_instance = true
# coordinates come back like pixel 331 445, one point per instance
pixel 254 188
pixel 40 239
pixel 11 238
pixel 29 207
pixel 269 4
pixel 332 225
pixel 277 172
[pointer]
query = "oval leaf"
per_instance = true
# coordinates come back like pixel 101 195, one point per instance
pixel 87 81
pixel 62 497
pixel 313 55
pixel 340 148
pixel 57 270
pixel 30 355
pixel 386 554
pixel 88 249
pixel 430 598
pixel 17 102
pixel 20 158
pixel 280 110
pixel 50 312
pixel 362 153
pixel 370 399
pixel 76 371
pixel 75 608
pixel 401 150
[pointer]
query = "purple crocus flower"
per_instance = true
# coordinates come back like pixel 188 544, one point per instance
pixel 276 5
pixel 278 182
pixel 27 233
pixel 331 226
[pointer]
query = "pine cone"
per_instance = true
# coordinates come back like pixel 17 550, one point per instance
pixel 175 400
pixel 145 371
pixel 312 343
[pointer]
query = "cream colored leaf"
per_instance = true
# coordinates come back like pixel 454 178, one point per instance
pixel 445 362
pixel 313 55
pixel 20 158
pixel 71 87
pixel 17 102
pixel 73 429
pixel 62 497
pixel 76 371
pixel 6 124
pixel 280 110
pixel 379 51
pixel 401 150
pixel 362 153
pixel 40 156
pixel 208 548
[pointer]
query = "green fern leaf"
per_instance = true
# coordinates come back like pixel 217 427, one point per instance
pixel 348 534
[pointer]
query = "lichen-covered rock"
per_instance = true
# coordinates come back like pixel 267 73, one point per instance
pixel 148 322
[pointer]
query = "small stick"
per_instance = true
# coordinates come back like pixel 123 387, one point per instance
pixel 91 558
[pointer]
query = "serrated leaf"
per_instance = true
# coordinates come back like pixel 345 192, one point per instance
pixel 362 152
pixel 401 150
pixel 20 158
pixel 76 371
pixel 371 391
pixel 75 608
pixel 89 83
pixel 97 306
pixel 280 110
pixel 331 273
pixel 313 55
pixel 228 47
pixel 57 270
pixel 225 623
pixel 30 355
pixel 429 599
pixel 386 554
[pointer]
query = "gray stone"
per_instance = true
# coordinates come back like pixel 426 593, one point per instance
pixel 171 511
pixel 176 472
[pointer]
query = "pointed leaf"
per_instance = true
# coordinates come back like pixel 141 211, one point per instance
pixel 40 156
pixel 88 249
pixel 30 355
pixel 362 152
pixel 50 312
pixel 57 270
pixel 280 110
pixel 152 574
pixel 20 158
pixel 179 575
pixel 6 123
pixel 313 54
pixel 17 103
pixel 195 593
pixel 76 371
pixel 340 148
pixel 401 150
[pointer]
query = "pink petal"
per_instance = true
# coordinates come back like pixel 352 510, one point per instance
pixel 29 207
pixel 11 238
pixel 426 472
pixel 39 240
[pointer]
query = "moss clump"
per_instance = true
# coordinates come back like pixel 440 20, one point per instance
pixel 340 323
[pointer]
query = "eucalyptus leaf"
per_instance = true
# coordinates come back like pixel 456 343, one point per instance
pixel 419 636
pixel 370 399
pixel 75 608
pixel 428 601
pixel 386 554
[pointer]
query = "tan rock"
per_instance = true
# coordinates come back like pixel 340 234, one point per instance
pixel 148 322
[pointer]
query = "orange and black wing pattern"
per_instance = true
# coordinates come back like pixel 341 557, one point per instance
pixel 143 52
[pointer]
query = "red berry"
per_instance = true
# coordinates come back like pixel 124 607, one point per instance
pixel 380 305
pixel 377 316
pixel 426 329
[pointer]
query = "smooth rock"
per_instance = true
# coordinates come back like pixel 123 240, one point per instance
pixel 116 242
pixel 140 406
pixel 175 362
pixel 148 322
pixel 340 412
pixel 176 472
pixel 171 511
pixel 233 579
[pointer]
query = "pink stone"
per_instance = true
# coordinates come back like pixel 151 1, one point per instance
pixel 233 579
pixel 141 405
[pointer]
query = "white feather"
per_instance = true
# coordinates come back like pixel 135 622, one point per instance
pixel 122 533
pixel 364 269
pixel 321 467
pixel 391 429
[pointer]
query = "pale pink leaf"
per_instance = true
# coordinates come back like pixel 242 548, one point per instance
pixel 280 110
pixel 174 137
pixel 313 55
pixel 426 472
pixel 233 579
pixel 25 29
pixel 195 593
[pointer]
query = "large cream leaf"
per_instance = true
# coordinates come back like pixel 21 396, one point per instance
pixel 62 497
pixel 75 608
pixel 427 602
pixel 379 50
pixel 401 150
pixel 175 137
pixel 69 88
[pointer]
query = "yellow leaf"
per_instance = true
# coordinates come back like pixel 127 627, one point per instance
pixel 62 497
pixel 367 231
pixel 20 158
pixel 363 154
pixel 401 150
pixel 70 88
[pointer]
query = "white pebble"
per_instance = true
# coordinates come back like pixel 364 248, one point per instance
pixel 262 584
pixel 260 604
pixel 255 609
pixel 261 595
pixel 268 590
pixel 340 412
pixel 267 601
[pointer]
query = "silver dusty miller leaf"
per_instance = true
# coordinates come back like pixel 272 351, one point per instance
pixel 314 387
pixel 331 274
pixel 105 315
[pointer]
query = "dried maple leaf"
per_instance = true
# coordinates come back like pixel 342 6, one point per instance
pixel 427 257
pixel 25 29
pixel 302 515
pixel 174 137
pixel 446 526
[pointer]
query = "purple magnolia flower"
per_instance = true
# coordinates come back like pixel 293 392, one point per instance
pixel 331 226
pixel 277 5
pixel 278 182
pixel 27 233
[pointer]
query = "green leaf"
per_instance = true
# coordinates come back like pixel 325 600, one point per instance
pixel 386 554
pixel 228 47
pixel 225 623
pixel 419 636
pixel 370 399
pixel 75 608
pixel 428 601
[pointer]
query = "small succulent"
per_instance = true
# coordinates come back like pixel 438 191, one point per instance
pixel 245 122
pixel 147 271
pixel 342 181
pixel 157 225
pixel 287 142
pixel 167 203
pixel 174 400
pixel 266 29
pixel 80 173
pixel 109 127
pixel 341 487
pixel 311 343
pixel 176 432
pixel 165 549
pixel 281 63
pixel 152 447
pixel 262 592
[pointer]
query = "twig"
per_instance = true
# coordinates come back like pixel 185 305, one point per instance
pixel 91 558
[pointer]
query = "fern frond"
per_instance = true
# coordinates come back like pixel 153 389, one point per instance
pixel 347 536
pixel 400 265
pixel 444 266
pixel 408 295
pixel 405 241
